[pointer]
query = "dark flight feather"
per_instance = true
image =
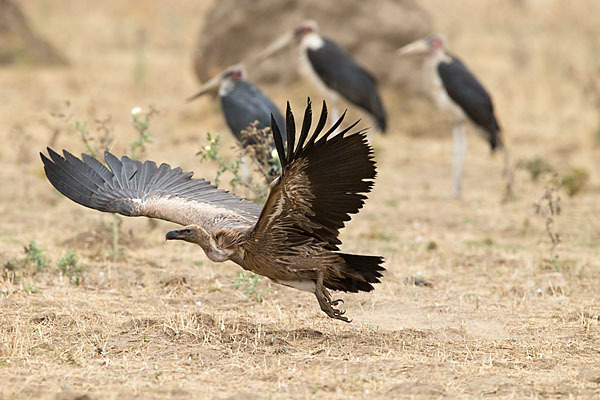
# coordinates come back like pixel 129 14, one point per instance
pixel 278 142
pixel 306 123
pixel 133 188
pixel 290 127
pixel 337 170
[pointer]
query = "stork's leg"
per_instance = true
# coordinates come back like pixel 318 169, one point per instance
pixel 460 150
pixel 508 173
pixel 335 109
pixel 245 175
pixel 373 130
pixel 325 301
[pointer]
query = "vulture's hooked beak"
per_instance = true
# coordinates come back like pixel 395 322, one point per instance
pixel 173 235
pixel 417 47
pixel 209 86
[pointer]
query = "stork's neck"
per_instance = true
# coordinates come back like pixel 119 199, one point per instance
pixel 311 41
pixel 437 56
pixel 227 85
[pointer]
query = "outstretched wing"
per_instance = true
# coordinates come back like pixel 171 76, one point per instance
pixel 133 188
pixel 323 181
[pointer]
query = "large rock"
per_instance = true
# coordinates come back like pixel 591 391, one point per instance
pixel 19 44
pixel 370 30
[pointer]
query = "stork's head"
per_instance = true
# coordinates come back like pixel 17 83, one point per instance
pixel 429 45
pixel 235 73
pixel 228 77
pixel 305 28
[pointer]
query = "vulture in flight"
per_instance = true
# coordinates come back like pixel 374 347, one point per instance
pixel 293 240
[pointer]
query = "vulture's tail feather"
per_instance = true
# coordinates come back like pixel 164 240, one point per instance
pixel 358 271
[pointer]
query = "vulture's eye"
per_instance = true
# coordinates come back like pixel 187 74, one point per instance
pixel 187 231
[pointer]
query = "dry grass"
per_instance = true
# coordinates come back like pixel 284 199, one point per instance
pixel 161 321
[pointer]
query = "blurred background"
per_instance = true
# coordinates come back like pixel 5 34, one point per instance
pixel 71 72
pixel 537 58
pixel 539 65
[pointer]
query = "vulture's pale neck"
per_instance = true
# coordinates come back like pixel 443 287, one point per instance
pixel 210 246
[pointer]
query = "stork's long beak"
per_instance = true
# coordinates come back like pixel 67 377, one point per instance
pixel 277 45
pixel 417 47
pixel 207 87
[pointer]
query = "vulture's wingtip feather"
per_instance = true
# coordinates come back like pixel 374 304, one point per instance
pixel 306 123
pixel 278 142
pixel 290 126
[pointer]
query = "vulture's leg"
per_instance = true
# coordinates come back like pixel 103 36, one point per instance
pixel 460 149
pixel 325 301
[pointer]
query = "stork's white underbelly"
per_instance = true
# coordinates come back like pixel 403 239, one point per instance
pixel 438 93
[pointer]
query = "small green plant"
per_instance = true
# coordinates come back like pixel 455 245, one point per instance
pixel 248 282
pixel 258 145
pixel 34 256
pixel 11 271
pixel 549 207
pixel 30 289
pixel 537 167
pixel 69 266
pixel 431 245
pixel 575 180
pixel 115 226
pixel 212 152
pixel 141 123
pixel 81 127
pixel 94 144
pixel 257 150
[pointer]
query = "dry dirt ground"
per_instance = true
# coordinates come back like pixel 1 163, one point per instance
pixel 500 319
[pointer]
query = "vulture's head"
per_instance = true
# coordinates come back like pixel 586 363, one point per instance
pixel 191 233
pixel 218 248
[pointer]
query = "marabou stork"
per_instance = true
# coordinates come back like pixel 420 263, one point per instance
pixel 293 239
pixel 241 101
pixel 241 104
pixel 332 71
pixel 458 93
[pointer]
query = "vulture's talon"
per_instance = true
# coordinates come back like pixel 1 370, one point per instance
pixel 336 302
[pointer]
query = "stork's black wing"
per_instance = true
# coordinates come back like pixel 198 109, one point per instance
pixel 341 73
pixel 133 188
pixel 246 104
pixel 323 181
pixel 466 91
